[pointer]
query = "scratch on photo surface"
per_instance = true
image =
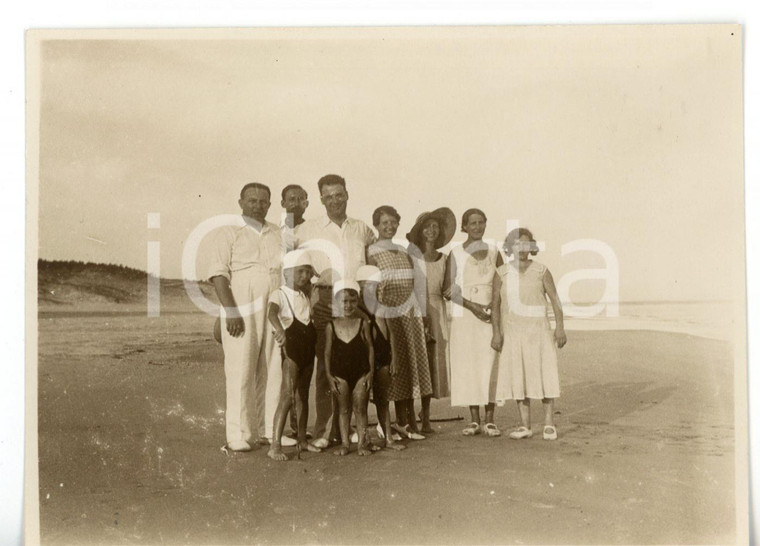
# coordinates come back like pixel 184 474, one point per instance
pixel 178 410
pixel 96 240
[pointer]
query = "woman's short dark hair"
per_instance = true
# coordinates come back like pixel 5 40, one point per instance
pixel 470 212
pixel 385 209
pixel 257 186
pixel 514 236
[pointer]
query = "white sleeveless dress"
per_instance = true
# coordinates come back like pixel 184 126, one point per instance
pixel 528 359
pixel 473 362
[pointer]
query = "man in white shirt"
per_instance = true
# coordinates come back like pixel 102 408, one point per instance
pixel 337 246
pixel 245 268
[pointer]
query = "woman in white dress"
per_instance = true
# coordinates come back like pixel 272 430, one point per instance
pixel 470 278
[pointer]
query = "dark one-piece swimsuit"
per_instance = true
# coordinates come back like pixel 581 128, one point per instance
pixel 381 344
pixel 349 361
pixel 300 341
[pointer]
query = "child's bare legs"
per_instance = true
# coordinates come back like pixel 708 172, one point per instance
pixel 293 422
pixel 360 398
pixel 302 409
pixel 548 412
pixel 335 427
pixel 343 397
pixel 426 428
pixel 523 407
pixel 475 414
pixel 290 370
pixel 384 416
pixel 381 384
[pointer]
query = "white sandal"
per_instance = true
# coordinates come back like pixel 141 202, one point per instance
pixel 472 429
pixel 550 432
pixel 491 430
pixel 520 433
pixel 412 435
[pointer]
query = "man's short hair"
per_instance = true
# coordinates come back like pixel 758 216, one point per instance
pixel 331 180
pixel 289 187
pixel 257 186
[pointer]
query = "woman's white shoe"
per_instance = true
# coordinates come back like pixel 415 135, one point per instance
pixel 520 433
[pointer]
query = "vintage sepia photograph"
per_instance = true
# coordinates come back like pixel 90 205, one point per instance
pixel 386 285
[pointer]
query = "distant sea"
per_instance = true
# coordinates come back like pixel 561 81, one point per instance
pixel 710 319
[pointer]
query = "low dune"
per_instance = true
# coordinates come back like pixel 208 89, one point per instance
pixel 67 286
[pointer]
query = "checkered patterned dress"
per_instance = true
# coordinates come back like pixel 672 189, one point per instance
pixel 411 374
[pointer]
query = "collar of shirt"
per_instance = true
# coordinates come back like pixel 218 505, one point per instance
pixel 284 222
pixel 326 221
pixel 291 292
pixel 266 227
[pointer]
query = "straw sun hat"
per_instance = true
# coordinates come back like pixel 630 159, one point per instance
pixel 446 221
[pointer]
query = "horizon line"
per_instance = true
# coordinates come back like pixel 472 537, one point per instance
pixel 629 302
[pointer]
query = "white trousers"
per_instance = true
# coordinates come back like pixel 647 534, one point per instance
pixel 274 386
pixel 246 357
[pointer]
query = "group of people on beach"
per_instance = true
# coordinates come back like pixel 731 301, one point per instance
pixel 372 315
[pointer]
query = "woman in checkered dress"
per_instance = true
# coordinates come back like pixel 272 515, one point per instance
pixel 410 373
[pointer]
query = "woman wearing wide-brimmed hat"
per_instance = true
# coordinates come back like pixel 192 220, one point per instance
pixel 431 232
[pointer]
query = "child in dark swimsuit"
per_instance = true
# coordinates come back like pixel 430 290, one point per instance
pixel 349 363
pixel 289 314
pixel 369 278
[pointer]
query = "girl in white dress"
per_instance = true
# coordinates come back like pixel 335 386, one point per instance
pixel 469 280
pixel 528 361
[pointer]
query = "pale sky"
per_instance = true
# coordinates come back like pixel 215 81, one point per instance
pixel 629 135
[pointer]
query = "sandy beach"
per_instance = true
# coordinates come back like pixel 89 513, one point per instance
pixel 131 425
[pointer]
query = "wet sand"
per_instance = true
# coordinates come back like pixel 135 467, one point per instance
pixel 131 425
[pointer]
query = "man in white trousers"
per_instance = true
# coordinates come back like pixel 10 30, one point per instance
pixel 245 267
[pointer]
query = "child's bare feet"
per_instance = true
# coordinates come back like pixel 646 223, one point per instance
pixel 276 454
pixel 309 447
pixel 341 451
pixel 363 451
pixel 369 445
pixel 395 446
